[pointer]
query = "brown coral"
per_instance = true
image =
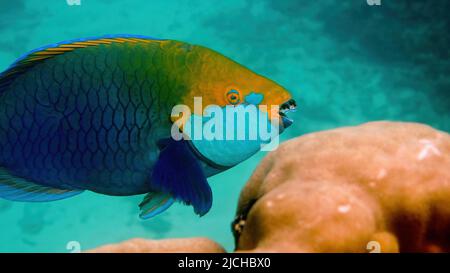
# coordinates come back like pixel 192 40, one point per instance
pixel 381 186
pixel 191 245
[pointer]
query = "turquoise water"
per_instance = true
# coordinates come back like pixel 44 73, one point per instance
pixel 345 62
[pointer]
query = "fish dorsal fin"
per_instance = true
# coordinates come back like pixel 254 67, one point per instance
pixel 38 55
pixel 19 189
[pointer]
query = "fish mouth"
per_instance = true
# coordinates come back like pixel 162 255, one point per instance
pixel 289 106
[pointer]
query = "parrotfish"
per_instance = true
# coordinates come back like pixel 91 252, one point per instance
pixel 95 114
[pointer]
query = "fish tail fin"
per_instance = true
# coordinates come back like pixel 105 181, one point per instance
pixel 15 188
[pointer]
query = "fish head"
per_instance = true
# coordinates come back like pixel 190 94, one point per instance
pixel 220 81
pixel 225 84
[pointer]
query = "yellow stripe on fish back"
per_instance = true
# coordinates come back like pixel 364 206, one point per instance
pixel 63 48
pixel 50 52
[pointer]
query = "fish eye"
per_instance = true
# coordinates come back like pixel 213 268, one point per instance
pixel 233 97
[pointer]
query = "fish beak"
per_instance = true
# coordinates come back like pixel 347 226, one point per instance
pixel 289 106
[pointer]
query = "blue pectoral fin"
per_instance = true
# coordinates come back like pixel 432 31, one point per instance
pixel 155 203
pixel 178 173
pixel 18 189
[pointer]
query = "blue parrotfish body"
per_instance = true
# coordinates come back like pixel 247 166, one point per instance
pixel 95 114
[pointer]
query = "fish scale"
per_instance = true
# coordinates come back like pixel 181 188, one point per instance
pixel 79 130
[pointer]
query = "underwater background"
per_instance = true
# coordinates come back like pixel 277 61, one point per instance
pixel 345 62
